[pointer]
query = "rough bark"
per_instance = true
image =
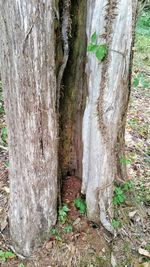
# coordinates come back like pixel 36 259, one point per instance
pixel 106 106
pixel 28 74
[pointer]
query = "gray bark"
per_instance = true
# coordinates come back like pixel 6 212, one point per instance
pixel 28 74
pixel 106 106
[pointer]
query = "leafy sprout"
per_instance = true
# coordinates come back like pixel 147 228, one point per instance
pixel 100 50
pixel 116 223
pixel 5 255
pixel 4 135
pixel 54 232
pixel 119 196
pixel 68 228
pixel 120 192
pixel 81 205
pixel 63 213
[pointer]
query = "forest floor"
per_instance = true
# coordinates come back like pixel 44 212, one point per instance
pixel 76 242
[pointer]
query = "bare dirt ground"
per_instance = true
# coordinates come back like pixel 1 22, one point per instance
pixel 76 242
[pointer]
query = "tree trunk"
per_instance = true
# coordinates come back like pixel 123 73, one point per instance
pixel 28 73
pixel 106 106
pixel 46 82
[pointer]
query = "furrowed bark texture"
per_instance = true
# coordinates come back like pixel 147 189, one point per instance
pixel 106 105
pixel 28 74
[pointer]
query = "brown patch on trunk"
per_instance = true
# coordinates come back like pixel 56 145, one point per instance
pixel 73 95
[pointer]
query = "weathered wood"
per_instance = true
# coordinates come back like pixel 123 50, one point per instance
pixel 29 82
pixel 108 94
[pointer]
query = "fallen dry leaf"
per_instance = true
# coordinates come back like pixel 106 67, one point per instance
pixel 3 224
pixel 49 245
pixel 6 189
pixel 132 213
pixel 144 252
pixel 113 260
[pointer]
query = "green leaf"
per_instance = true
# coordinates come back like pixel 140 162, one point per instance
pixel 6 255
pixel 54 231
pixel 118 191
pixel 125 161
pixel 94 38
pixel 136 82
pixel 62 213
pixel 115 202
pixel 68 229
pixel 80 204
pixel 121 198
pixel 128 185
pixel 58 238
pixel 21 265
pixel 116 223
pixel 9 254
pixel 92 48
pixel 4 134
pixel 101 52
pixel 65 208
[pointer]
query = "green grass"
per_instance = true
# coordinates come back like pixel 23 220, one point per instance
pixel 143 24
pixel 142 41
pixel 142 48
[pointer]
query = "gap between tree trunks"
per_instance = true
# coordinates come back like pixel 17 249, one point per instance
pixel 72 88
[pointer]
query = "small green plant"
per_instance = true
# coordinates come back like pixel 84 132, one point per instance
pixel 116 223
pixel 100 50
pixel 136 82
pixel 4 135
pixel 63 213
pixel 21 265
pixel 68 228
pixel 128 186
pixel 140 80
pixel 125 161
pixel 120 192
pixel 133 122
pixel 81 205
pixel 54 232
pixel 119 196
pixel 5 255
